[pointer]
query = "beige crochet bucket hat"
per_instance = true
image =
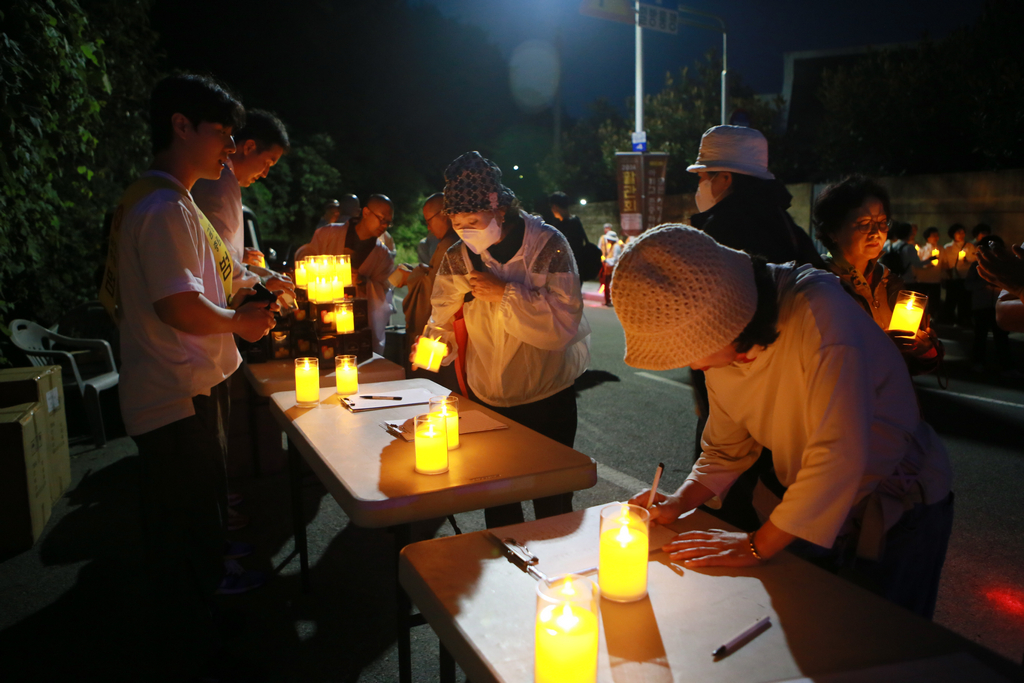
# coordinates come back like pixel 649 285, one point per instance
pixel 681 296
pixel 733 148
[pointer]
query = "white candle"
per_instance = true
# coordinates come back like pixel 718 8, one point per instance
pixel 431 444
pixel 908 311
pixel 347 375
pixel 623 551
pixel 345 270
pixel 449 407
pixel 343 320
pixel 307 381
pixel 566 631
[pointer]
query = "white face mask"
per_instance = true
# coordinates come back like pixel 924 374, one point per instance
pixel 480 240
pixel 704 198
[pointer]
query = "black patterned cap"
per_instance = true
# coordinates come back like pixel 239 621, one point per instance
pixel 472 183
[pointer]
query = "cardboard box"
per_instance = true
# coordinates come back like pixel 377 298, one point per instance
pixel 43 385
pixel 24 491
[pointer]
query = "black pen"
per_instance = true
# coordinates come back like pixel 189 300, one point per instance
pixel 382 398
pixel 732 644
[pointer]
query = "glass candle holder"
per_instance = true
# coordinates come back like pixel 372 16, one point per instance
pixel 346 374
pixel 344 269
pixel 566 631
pixel 431 444
pixel 430 350
pixel 909 310
pixel 623 548
pixel 343 320
pixel 449 407
pixel 337 290
pixel 301 276
pixel 307 382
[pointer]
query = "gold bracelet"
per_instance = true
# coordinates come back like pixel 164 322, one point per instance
pixel 753 548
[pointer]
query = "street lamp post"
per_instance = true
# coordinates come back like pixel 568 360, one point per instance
pixel 725 52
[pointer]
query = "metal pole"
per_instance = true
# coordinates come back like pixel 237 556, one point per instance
pixel 725 72
pixel 639 69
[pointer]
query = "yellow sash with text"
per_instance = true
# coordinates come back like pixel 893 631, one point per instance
pixel 109 290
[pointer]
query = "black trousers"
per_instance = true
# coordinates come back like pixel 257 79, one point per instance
pixel 184 512
pixel 555 418
pixel 984 322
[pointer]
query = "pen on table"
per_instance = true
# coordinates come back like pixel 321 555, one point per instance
pixel 731 645
pixel 654 486
pixel 382 398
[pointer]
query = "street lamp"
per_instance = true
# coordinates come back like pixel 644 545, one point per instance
pixel 721 27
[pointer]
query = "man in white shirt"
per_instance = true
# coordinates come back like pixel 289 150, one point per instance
pixel 172 282
pixel 259 146
pixel 795 365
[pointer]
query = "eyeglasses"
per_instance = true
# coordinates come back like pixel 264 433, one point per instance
pixel 432 217
pixel 868 226
pixel 385 223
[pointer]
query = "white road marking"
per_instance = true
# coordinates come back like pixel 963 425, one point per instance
pixel 631 484
pixel 942 392
pixel 664 380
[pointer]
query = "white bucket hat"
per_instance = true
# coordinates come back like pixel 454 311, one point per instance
pixel 733 148
pixel 681 296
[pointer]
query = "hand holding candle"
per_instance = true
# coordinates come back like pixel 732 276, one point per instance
pixel 909 309
pixel 430 350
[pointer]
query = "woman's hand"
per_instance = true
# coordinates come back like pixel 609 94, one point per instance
pixel 665 510
pixel 253 257
pixel 713 548
pixel 486 287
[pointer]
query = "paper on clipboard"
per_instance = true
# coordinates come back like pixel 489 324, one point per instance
pixel 410 397
pixel 469 422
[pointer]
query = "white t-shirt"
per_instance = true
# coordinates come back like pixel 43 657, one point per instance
pixel 833 401
pixel 163 251
pixel 221 201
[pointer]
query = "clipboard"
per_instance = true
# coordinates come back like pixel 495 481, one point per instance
pixel 410 397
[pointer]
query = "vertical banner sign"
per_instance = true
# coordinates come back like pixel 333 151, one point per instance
pixel 655 164
pixel 629 175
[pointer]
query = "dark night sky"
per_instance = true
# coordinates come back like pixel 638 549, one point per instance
pixel 597 55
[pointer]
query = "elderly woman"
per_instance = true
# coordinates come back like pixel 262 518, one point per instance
pixel 515 281
pixel 852 219
pixel 794 367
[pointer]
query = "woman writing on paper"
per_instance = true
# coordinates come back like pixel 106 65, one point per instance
pixel 516 282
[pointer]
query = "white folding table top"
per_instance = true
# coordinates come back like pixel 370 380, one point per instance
pixel 483 608
pixel 279 375
pixel 370 472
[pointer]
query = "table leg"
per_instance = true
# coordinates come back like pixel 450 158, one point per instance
pixel 404 607
pixel 446 665
pixel 298 520
pixel 253 429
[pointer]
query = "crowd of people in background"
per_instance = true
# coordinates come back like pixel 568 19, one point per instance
pixel 809 437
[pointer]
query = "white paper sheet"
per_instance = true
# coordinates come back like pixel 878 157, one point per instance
pixel 410 397
pixel 469 422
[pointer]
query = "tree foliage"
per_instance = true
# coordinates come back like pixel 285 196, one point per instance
pixel 937 106
pixel 70 133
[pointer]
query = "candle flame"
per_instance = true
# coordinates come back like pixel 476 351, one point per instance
pixel 567 620
pixel 567 588
pixel 624 537
pixel 910 304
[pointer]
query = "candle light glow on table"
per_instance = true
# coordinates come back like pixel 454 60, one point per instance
pixel 307 381
pixel 566 632
pixel 623 548
pixel 343 320
pixel 347 375
pixel 431 444
pixel 907 313
pixel 449 407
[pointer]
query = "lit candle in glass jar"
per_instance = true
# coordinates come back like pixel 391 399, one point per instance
pixel 345 270
pixel 337 290
pixel 908 311
pixel 347 374
pixel 449 407
pixel 343 320
pixel 307 381
pixel 430 350
pixel 301 277
pixel 431 444
pixel 623 548
pixel 566 631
